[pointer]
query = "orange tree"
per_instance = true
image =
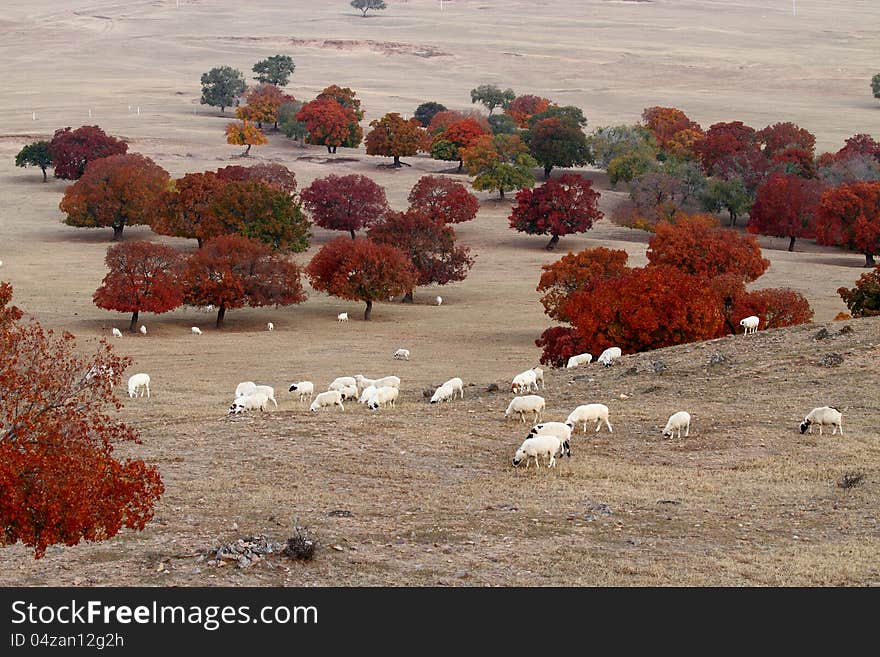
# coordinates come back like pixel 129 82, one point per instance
pixel 186 209
pixel 263 102
pixel 245 133
pixel 142 277
pixel 394 136
pixel 577 271
pixel 328 122
pixel 361 270
pixel 499 162
pixel 232 271
pixel 448 143
pixel 849 216
pixel 522 108
pixel 352 105
pixel 115 192
pixel 60 482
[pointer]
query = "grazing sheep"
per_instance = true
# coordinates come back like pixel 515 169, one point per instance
pixel 196 330
pixel 342 317
pixel 539 376
pixel 822 417
pixel 143 330
pixel 401 354
pixel 363 382
pixel 680 420
pixel 329 398
pixel 138 384
pixel 348 392
pixel 303 389
pixel 341 382
pixel 536 446
pixel 590 413
pixel 608 356
pixel 442 394
pixel 270 326
pixel 526 404
pixel 384 396
pixel 561 430
pixel 524 381
pixel 269 391
pixel 750 324
pixel 457 385
pixel 439 301
pixel 367 394
pixel 249 403
pixel 116 333
pixel 392 381
pixel 580 359
pixel 245 388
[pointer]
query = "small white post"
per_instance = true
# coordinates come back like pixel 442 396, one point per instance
pixel 129 108
pixel 34 117
pixel 139 110
pixel 90 112
pixel 794 7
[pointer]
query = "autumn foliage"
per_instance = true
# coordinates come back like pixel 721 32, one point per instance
pixel 142 277
pixel 430 245
pixel 774 307
pixel 328 122
pixel 60 482
pixel 499 162
pixel 849 216
pixel 522 108
pixel 348 203
pixel 187 208
pixel 245 133
pixel 394 136
pixel 560 206
pixel 668 123
pixel 72 150
pixel 863 300
pixel 262 106
pixel 444 199
pixel 785 206
pixel 361 270
pixel 448 143
pixel 577 271
pixel 232 271
pixel 115 192
pixel 272 174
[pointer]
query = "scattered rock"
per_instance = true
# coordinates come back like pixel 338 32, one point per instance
pixel 717 359
pixel 427 393
pixel 492 387
pixel 831 360
pixel 823 334
pixel 668 502
pixel 659 366
pixel 244 552
pixel 597 509
pixel 623 396
pixel 631 371
pixel 846 330
pixel 461 574
pixel 851 480
pixel 340 513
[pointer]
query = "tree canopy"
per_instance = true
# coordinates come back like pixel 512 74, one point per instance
pixel 221 87
pixel 276 70
pixel 35 154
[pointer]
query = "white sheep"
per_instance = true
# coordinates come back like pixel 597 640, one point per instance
pixel 608 356
pixel 439 301
pixel 245 388
pixel 442 394
pixel 138 384
pixel 590 413
pixel 537 446
pixel 116 333
pixel 270 326
pixel 384 396
pixel 401 354
pixel 143 330
pixel 342 317
pixel 457 385
pixel 249 403
pixel 391 381
pixel 580 359
pixel 348 392
pixel 822 417
pixel 750 324
pixel 367 394
pixel 539 376
pixel 363 382
pixel 196 330
pixel 680 420
pixel 329 398
pixel 269 391
pixel 305 389
pixel 341 382
pixel 561 430
pixel 526 404
pixel 524 381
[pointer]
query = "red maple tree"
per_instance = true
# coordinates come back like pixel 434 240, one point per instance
pixel 696 246
pixel 349 202
pixel 448 143
pixel 667 122
pixel 559 343
pixel 849 216
pixel 262 105
pixel 60 482
pixel 116 191
pixel 522 108
pixel 271 173
pixel 560 206
pixel 774 307
pixel 577 271
pixel 186 208
pixel 72 150
pixel 347 98
pixel 785 206
pixel 328 122
pixel 779 137
pixel 430 245
pixel 394 136
pixel 729 149
pixel 442 120
pixel 361 270
pixel 444 199
pixel 232 271
pixel 142 277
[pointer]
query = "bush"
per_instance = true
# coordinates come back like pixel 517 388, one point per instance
pixel 864 299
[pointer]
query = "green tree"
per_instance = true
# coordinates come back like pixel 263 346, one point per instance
pixel 730 195
pixel 222 86
pixel 558 142
pixel 629 166
pixel 875 85
pixel 491 96
pixel 35 154
pixel 501 162
pixel 288 123
pixel 426 111
pixel 502 124
pixel 276 70
pixel 366 5
pixel 610 142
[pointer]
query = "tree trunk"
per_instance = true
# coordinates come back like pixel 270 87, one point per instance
pixel 869 259
pixel 732 217
pixel 407 298
pixel 460 165
pixel 501 193
pixel 352 234
pixel 329 148
pixel 117 232
pixel 397 163
pixel 547 170
pixel 368 310
pixel 44 174
pixel 200 242
pixel 220 315
pixel 791 240
pixel 552 243
pixel 365 12
pixel 134 321
pixel 246 151
pixel 223 109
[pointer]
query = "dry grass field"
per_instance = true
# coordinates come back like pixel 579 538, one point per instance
pixel 433 499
